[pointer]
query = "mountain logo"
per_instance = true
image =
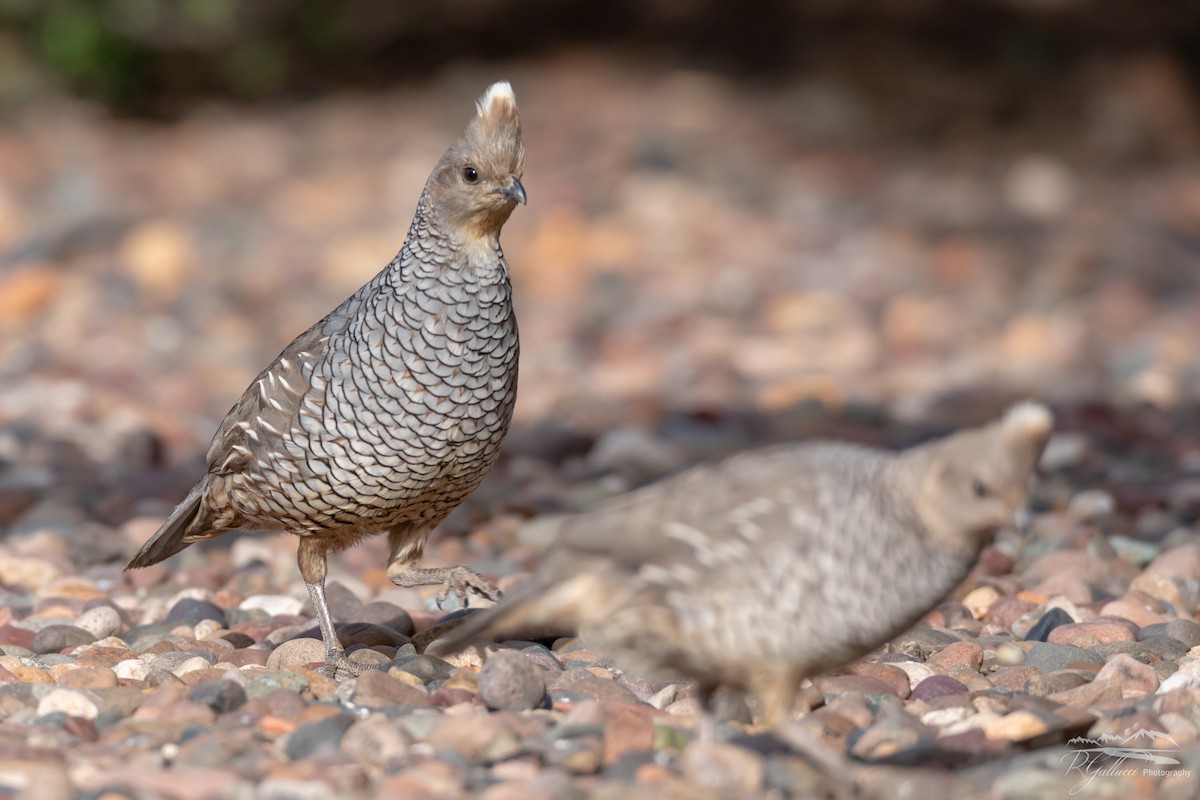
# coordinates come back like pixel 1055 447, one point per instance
pixel 1142 751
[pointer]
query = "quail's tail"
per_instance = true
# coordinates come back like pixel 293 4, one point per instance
pixel 169 539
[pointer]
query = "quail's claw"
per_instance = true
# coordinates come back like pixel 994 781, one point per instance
pixel 336 660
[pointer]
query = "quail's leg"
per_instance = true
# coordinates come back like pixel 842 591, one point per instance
pixel 778 694
pixel 312 561
pixel 461 580
pixel 707 732
pixel 406 549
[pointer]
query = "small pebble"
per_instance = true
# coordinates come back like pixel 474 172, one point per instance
pixel 222 696
pixel 325 734
pixel 71 702
pixel 1049 657
pixel 1086 634
pixel 274 604
pixel 100 621
pixel 728 770
pixel 1052 619
pixel 296 653
pixel 1130 676
pixel 56 638
pixel 510 681
pixel 375 689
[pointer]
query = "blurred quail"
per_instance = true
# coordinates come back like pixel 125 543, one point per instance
pixel 387 413
pixel 776 564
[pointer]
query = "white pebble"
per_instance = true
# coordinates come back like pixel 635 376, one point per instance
pixel 1010 654
pixel 71 702
pixel 273 604
pixel 191 665
pixel 915 670
pixel 107 641
pixel 984 719
pixel 470 658
pixel 190 593
pixel 941 717
pixel 1190 665
pixel 1091 505
pixel 1178 680
pixel 206 628
pixel 100 621
pixel 132 669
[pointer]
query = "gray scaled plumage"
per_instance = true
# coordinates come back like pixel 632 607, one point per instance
pixel 386 414
pixel 775 564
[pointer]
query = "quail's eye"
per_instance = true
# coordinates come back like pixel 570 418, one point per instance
pixel 980 488
pixel 470 174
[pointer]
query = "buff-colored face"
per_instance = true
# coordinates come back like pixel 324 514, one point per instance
pixel 478 180
pixel 977 482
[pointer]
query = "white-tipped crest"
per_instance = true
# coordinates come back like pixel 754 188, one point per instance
pixel 1029 419
pixel 500 90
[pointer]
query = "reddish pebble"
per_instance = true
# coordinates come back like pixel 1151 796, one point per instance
pixel 893 676
pixel 995 562
pixel 1014 678
pixel 11 634
pixel 1134 612
pixel 936 686
pixel 1131 676
pixel 241 658
pixel 626 727
pixel 957 656
pixel 1007 610
pixel 1089 634
pixel 1088 694
pixel 854 684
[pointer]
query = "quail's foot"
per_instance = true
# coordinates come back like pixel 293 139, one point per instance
pixel 461 580
pixel 337 661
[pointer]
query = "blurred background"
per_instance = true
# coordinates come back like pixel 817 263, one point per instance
pixel 747 222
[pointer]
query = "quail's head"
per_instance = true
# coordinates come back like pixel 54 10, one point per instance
pixel 975 482
pixel 477 183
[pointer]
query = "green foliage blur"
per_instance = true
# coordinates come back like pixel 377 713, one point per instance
pixel 157 56
pixel 127 52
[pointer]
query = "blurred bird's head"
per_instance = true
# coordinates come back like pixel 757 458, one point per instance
pixel 972 483
pixel 477 183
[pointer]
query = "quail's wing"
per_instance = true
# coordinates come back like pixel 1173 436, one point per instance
pixel 271 403
pixel 792 486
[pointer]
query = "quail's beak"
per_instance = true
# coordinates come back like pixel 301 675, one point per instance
pixel 514 190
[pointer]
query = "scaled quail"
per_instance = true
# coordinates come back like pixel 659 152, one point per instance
pixel 387 413
pixel 776 564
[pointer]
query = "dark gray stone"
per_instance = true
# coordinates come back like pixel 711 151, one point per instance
pixel 325 733
pixel 1040 631
pixel 427 668
pixel 55 638
pixel 388 615
pixel 1183 630
pixel 220 695
pixel 344 605
pixel 189 611
pixel 1050 657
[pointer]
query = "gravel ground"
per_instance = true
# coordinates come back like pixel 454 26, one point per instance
pixel 702 267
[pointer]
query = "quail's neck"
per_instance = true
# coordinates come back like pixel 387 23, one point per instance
pixel 436 254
